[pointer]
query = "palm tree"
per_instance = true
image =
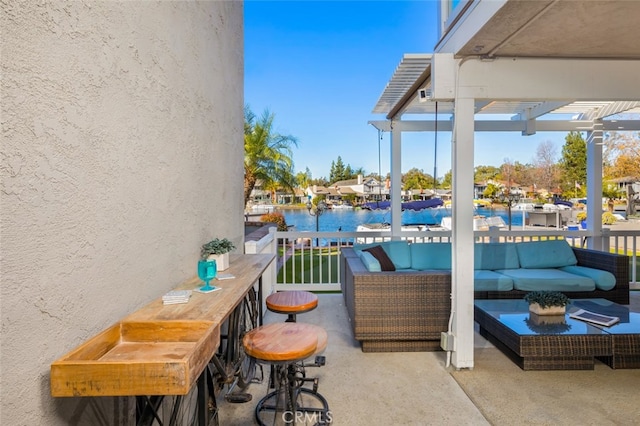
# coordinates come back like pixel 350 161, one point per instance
pixel 267 155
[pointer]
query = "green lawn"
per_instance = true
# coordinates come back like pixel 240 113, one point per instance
pixel 323 261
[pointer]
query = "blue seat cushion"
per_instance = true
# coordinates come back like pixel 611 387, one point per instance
pixel 484 280
pixel 604 280
pixel 369 261
pixel 399 253
pixel 430 256
pixel 548 279
pixel 494 256
pixel 545 254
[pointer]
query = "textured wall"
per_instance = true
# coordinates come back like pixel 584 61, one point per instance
pixel 121 154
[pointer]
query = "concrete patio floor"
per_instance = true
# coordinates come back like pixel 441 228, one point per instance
pixel 399 388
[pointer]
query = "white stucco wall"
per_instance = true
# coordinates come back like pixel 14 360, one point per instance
pixel 122 152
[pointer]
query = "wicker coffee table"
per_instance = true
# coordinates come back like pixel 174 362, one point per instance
pixel 538 343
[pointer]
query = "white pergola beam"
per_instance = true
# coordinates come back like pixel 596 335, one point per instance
pixel 525 79
pixel 611 109
pixel 507 125
pixel 542 109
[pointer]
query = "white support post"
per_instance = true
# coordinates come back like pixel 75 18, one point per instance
pixel 594 184
pixel 396 183
pixel 462 233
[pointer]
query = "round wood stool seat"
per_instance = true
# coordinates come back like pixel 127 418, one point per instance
pixel 284 342
pixel 292 303
pixel 285 345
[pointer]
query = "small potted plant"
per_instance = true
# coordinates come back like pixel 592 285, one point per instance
pixel 547 302
pixel 218 250
pixel 581 217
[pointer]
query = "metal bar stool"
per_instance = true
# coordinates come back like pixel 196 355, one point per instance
pixel 284 346
pixel 292 303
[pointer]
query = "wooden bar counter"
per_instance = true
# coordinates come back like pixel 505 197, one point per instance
pixel 159 349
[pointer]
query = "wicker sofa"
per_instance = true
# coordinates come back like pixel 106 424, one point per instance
pixel 406 310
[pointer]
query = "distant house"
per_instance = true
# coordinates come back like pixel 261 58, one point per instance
pixel 623 182
pixel 513 188
pixel 364 189
pixel 298 196
pixel 316 190
pixel 259 195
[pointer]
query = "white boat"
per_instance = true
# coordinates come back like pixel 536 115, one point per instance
pixel 262 208
pixel 343 206
pixel 524 206
pixel 386 227
pixel 368 227
pixel 480 223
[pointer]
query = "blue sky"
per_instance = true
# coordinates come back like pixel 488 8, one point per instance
pixel 320 67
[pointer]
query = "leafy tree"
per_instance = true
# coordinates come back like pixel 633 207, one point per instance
pixel 447 180
pixel 320 181
pixel 610 191
pixel 358 171
pixel 417 179
pixel 507 172
pixel 337 171
pixel 573 165
pixel 516 172
pixel 348 173
pixel 303 178
pixel 485 173
pixel 268 155
pixel 546 172
pixel 492 191
pixel 622 155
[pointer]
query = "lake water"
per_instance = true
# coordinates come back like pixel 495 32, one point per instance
pixel 348 220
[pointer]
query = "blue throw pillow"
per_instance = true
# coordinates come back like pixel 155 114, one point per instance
pixel 370 262
pixel 492 256
pixel 605 280
pixel 399 253
pixel 545 254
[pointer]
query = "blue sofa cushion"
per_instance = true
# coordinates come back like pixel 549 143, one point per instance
pixel 484 280
pixel 548 279
pixel 604 280
pixel 430 256
pixel 398 252
pixel 545 254
pixel 370 262
pixel 381 256
pixel 494 256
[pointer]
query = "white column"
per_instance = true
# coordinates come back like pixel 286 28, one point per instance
pixel 396 183
pixel 462 233
pixel 594 184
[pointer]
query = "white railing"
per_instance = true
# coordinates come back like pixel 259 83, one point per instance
pixel 312 258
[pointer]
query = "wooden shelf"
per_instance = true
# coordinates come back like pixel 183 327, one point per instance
pixel 154 358
pixel 159 349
